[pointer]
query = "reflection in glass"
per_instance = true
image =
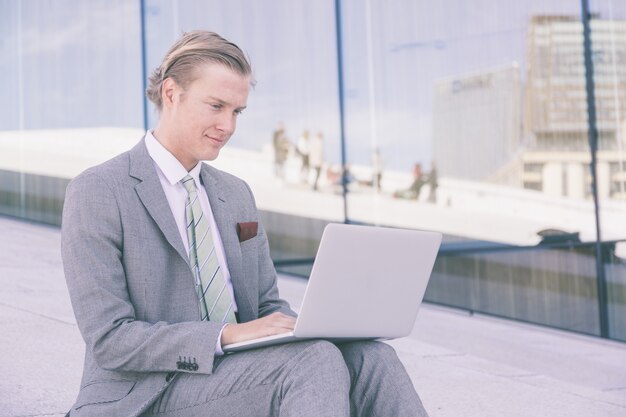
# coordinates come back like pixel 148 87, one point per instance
pixel 552 286
pixel 463 119
pixel 480 117
pixel 615 270
pixel 71 95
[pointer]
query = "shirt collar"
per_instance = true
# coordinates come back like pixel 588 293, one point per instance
pixel 171 168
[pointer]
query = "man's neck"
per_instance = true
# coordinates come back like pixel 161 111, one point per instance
pixel 167 140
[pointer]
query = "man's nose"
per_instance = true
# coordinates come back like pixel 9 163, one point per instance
pixel 227 123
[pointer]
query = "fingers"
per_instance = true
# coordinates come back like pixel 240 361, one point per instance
pixel 272 324
pixel 280 320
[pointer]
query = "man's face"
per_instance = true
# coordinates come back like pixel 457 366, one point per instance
pixel 203 117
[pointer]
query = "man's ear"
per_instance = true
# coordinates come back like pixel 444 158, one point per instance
pixel 169 89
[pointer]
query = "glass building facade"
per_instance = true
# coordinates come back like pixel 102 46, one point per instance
pixel 469 118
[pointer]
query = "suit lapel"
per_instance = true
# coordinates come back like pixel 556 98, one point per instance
pixel 153 198
pixel 226 225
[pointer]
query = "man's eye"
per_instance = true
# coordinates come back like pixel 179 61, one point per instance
pixel 216 106
pixel 238 112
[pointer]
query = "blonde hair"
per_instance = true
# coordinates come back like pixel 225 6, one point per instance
pixel 192 50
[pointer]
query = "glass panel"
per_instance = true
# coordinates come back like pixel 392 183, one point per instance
pixel 471 120
pixel 608 37
pixel 463 119
pixel 292 48
pixel 467 94
pixel 72 96
pixel 12 108
pixel 615 270
pixel 551 286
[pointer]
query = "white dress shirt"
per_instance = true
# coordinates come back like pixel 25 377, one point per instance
pixel 171 172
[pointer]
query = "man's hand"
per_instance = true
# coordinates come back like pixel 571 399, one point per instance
pixel 275 323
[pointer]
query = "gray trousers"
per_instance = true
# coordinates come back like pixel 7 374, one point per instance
pixel 312 378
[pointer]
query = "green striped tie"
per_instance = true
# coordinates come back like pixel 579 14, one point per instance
pixel 216 303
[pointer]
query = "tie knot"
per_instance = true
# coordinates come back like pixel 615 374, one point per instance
pixel 189 184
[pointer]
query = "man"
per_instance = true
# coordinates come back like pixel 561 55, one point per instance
pixel 302 147
pixel 281 145
pixel 413 192
pixel 142 277
pixel 316 157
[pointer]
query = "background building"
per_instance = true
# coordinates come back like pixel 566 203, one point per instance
pixel 477 125
pixel 557 158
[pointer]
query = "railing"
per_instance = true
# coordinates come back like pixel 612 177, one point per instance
pixel 551 284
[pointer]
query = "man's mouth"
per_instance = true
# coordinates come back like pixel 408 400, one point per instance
pixel 214 139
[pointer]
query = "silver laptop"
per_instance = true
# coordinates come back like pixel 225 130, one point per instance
pixel 366 283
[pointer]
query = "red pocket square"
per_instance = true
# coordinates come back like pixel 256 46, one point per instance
pixel 247 230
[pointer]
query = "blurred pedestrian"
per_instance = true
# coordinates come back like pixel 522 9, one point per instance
pixel 433 183
pixel 413 192
pixel 377 169
pixel 281 146
pixel 316 157
pixel 303 150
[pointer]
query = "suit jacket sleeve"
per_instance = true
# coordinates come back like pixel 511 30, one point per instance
pixel 92 251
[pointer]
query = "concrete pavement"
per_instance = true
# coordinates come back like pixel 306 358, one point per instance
pixel 461 365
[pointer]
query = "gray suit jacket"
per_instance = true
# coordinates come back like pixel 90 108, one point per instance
pixel 131 286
